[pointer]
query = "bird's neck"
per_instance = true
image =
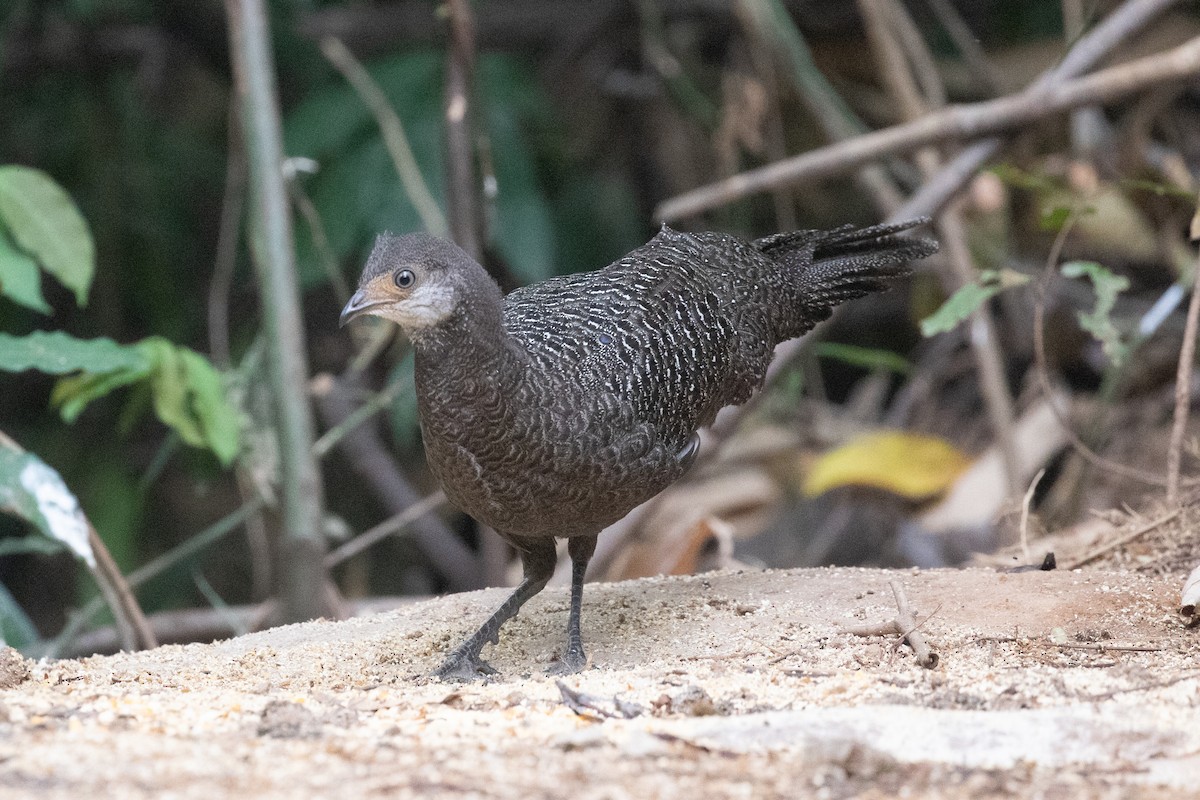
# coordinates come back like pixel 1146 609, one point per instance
pixel 471 342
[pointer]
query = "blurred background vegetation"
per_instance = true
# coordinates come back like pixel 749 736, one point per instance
pixel 585 117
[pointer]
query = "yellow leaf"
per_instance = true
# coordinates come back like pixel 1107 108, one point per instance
pixel 910 465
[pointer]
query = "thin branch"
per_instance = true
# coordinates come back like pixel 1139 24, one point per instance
pixel 1043 370
pixel 955 122
pixel 391 525
pixel 967 44
pixel 905 626
pixel 1117 27
pixel 176 555
pixel 131 622
pixel 1026 502
pixel 350 422
pixel 772 24
pixel 1108 547
pixel 462 184
pixel 1183 389
pixel 301 574
pixel 897 72
pixel 233 203
pixel 392 129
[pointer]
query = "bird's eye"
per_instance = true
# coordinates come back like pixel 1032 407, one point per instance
pixel 404 278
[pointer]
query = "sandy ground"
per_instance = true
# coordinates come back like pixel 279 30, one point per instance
pixel 1050 684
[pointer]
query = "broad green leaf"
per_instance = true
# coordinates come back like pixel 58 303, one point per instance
pixel 58 353
pixel 37 494
pixel 913 466
pixel 71 395
pixel 44 222
pixel 865 357
pixel 218 422
pixel 964 302
pixel 20 278
pixel 1099 322
pixel 168 383
pixel 16 627
pixel 185 390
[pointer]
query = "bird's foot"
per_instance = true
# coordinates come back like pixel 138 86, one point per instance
pixel 571 662
pixel 462 667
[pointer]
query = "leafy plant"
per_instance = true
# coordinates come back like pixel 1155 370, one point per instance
pixel 966 299
pixel 40 227
pixel 1099 322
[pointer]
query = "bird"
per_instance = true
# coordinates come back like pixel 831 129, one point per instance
pixel 552 411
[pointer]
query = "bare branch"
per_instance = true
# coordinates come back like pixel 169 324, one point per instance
pixel 957 122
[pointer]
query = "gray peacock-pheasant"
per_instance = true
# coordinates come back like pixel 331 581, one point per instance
pixel 552 411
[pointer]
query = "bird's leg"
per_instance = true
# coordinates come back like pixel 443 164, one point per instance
pixel 464 664
pixel 574 659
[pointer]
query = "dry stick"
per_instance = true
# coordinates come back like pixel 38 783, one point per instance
pixel 1183 389
pixel 1103 648
pixel 905 626
pixel 967 44
pixel 392 130
pixel 131 622
pixel 956 122
pixel 1116 28
pixel 389 526
pixel 370 459
pixel 1026 502
pixel 1043 371
pixel 233 202
pixel 773 25
pixel 462 180
pixel 908 628
pixel 1107 547
pixel 885 20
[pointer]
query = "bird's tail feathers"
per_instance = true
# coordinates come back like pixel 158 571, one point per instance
pixel 846 262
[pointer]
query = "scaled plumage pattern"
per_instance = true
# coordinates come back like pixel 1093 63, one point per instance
pixel 555 410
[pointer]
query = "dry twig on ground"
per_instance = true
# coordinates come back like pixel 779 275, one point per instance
pixel 905 626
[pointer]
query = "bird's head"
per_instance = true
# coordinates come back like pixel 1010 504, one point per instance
pixel 417 281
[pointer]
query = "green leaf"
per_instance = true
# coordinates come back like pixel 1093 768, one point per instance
pixel 865 357
pixel 16 627
pixel 218 422
pixel 58 353
pixel 30 545
pixel 20 278
pixel 1099 322
pixel 1038 183
pixel 1053 219
pixel 964 302
pixel 44 222
pixel 73 394
pixel 188 396
pixel 37 494
pixel 185 389
pixel 168 383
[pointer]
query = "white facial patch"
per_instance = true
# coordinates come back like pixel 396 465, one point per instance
pixel 425 307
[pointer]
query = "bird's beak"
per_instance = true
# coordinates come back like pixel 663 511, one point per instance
pixel 358 305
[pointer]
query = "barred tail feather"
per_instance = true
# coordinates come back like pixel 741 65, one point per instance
pixel 844 263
